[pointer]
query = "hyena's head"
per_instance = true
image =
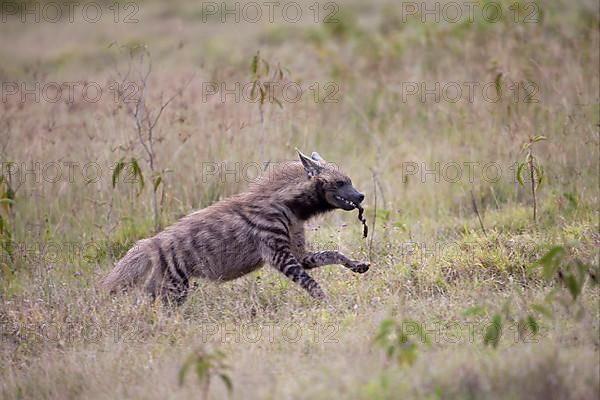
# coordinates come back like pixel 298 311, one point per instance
pixel 332 185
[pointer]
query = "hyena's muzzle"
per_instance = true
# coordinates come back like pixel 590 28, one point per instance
pixel 346 197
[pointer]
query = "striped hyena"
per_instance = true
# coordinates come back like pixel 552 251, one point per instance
pixel 238 235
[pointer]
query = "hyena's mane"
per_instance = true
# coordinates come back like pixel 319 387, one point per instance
pixel 289 184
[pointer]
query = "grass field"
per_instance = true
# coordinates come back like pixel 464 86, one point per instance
pixel 427 111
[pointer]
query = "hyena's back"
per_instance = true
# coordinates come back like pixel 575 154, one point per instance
pixel 215 243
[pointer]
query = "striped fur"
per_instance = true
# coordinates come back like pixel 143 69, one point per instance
pixel 238 235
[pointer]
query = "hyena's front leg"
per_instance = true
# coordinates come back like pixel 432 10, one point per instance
pixel 314 260
pixel 282 258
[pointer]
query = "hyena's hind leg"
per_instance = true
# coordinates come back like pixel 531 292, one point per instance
pixel 169 279
pixel 176 293
pixel 170 292
pixel 318 259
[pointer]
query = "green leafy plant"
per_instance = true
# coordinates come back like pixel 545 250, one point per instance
pixel 133 169
pixel 400 340
pixel 556 263
pixel 527 324
pixel 133 92
pixel 493 331
pixel 206 365
pixel 265 78
pixel 571 272
pixel 536 172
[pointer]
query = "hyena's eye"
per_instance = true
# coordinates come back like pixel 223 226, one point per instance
pixel 340 183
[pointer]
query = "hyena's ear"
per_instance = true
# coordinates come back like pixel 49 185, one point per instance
pixel 311 166
pixel 315 156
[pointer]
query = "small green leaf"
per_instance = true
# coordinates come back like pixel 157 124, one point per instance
pixel 573 285
pixel 498 82
pixel 555 251
pixel 157 181
pixel 137 172
pixel 118 168
pixel 254 63
pixel 538 138
pixel 385 328
pixel 493 331
pixel 539 173
pixel 475 311
pixel 541 309
pixel 2 226
pixel 183 370
pixel 533 325
pixel 550 261
pixel 202 367
pixel 227 381
pixel 518 174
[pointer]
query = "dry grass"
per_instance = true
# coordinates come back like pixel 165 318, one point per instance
pixel 62 338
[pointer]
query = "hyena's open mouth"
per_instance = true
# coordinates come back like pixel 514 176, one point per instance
pixel 344 200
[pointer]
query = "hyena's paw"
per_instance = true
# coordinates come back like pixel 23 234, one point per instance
pixel 360 267
pixel 318 294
